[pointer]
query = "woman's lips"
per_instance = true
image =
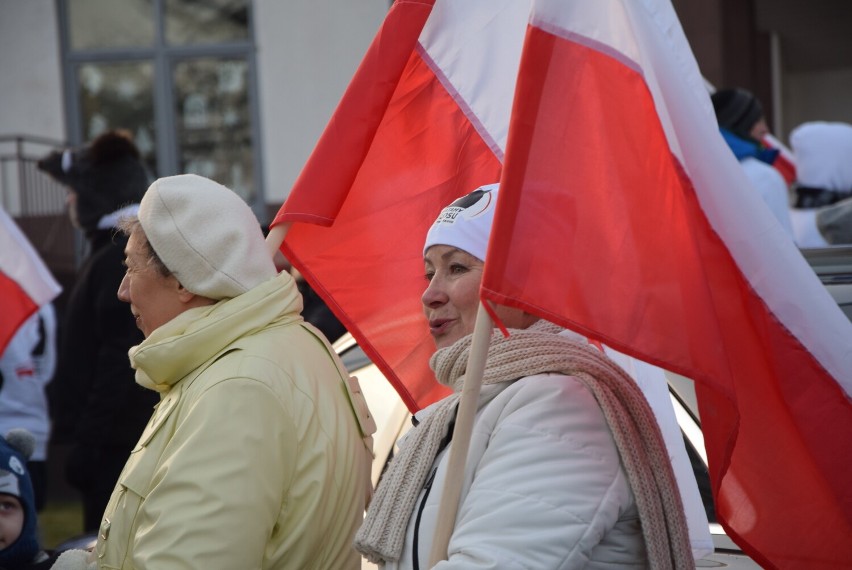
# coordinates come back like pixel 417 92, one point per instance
pixel 440 326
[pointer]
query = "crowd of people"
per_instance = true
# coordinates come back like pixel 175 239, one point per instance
pixel 211 425
pixel 812 201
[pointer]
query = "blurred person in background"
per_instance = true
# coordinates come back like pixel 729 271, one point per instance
pixel 19 541
pixel 743 126
pixel 95 404
pixel 27 366
pixel 822 213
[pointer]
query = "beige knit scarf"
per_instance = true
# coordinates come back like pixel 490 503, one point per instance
pixel 527 352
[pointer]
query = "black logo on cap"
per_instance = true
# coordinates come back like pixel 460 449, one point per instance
pixel 467 201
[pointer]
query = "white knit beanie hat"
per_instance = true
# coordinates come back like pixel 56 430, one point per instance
pixel 466 223
pixel 206 235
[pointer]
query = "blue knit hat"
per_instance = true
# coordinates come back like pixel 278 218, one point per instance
pixel 15 449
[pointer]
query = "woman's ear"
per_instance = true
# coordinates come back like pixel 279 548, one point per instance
pixel 191 299
pixel 184 294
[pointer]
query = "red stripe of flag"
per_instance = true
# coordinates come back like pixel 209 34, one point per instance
pixel 17 306
pixel 25 281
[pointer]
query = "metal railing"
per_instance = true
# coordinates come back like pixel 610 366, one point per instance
pixel 25 190
pixel 37 202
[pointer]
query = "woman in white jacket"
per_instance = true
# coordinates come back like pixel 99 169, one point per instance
pixel 566 467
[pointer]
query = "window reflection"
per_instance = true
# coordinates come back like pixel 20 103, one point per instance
pixel 213 122
pixel 206 21
pixel 104 24
pixel 180 65
pixel 119 96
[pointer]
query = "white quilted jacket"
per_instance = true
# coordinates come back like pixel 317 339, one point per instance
pixel 543 486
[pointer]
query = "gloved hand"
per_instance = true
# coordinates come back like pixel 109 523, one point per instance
pixel 76 560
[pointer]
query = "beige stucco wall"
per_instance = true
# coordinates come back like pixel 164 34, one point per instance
pixel 307 51
pixel 30 70
pixel 31 101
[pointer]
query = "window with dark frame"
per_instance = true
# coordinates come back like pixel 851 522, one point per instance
pixel 179 75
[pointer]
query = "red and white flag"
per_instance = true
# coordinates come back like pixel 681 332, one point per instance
pixel 25 281
pixel 401 145
pixel 618 218
pixel 614 162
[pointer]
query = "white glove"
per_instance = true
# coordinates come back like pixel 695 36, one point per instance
pixel 76 560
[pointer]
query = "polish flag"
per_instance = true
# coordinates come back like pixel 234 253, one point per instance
pixel 617 220
pixel 402 144
pixel 620 218
pixel 25 281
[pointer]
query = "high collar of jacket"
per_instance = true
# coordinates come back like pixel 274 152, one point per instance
pixel 195 336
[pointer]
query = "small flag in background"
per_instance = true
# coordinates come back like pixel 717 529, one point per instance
pixel 785 162
pixel 25 281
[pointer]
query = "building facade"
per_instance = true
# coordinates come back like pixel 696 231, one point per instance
pixel 236 90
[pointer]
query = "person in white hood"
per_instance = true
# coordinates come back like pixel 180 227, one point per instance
pixel 822 215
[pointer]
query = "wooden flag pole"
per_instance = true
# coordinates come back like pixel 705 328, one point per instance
pixel 274 239
pixel 461 436
pixel 276 236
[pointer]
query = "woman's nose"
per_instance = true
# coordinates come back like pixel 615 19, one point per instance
pixel 123 290
pixel 434 295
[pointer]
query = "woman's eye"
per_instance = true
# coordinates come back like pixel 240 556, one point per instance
pixel 457 268
pixel 429 275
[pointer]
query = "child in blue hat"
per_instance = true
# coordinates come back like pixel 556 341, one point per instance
pixel 19 545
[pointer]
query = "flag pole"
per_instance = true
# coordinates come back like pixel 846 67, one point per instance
pixel 274 239
pixel 461 436
pixel 276 236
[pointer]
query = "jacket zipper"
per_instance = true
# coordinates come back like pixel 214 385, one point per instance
pixel 415 563
pixel 427 487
